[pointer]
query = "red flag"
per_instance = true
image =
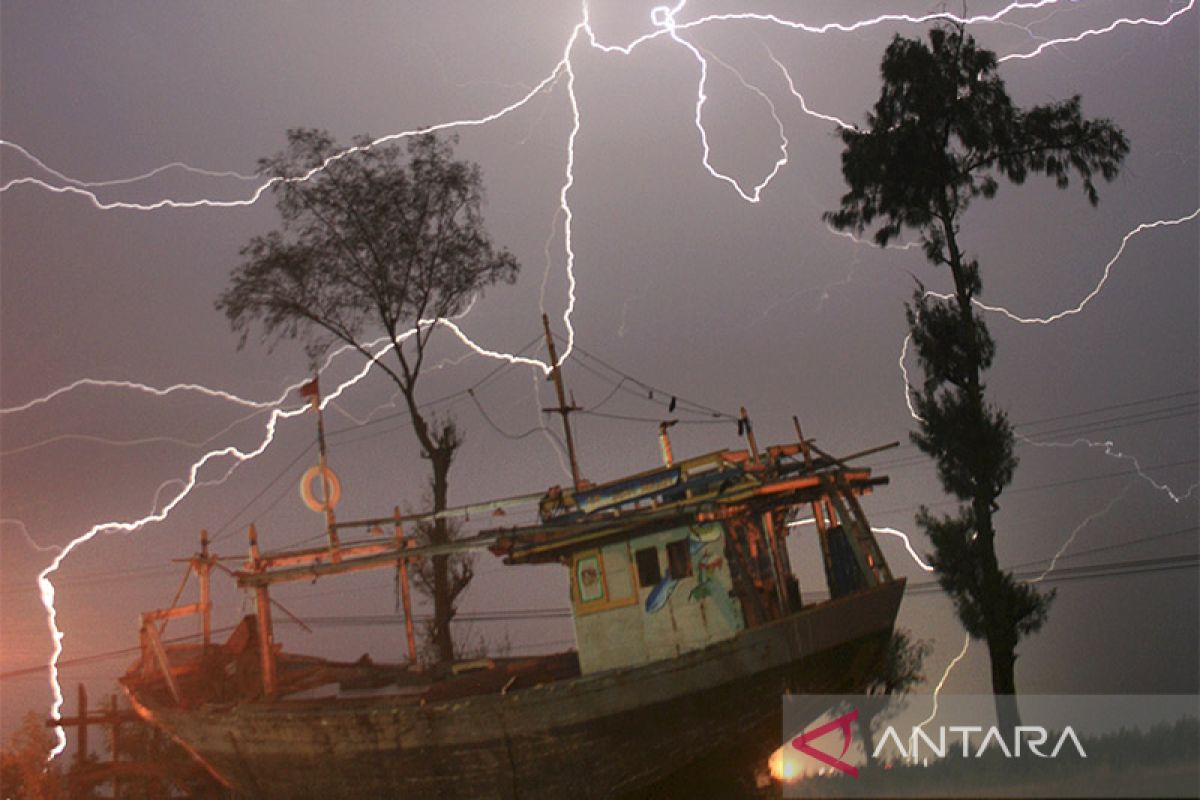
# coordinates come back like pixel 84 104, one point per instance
pixel 311 389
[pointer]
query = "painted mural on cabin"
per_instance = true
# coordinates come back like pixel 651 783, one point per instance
pixel 705 546
pixel 621 621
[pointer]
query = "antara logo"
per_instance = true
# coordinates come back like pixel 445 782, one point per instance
pixel 1033 737
pixel 842 723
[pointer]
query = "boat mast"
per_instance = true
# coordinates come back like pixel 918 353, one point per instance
pixel 563 408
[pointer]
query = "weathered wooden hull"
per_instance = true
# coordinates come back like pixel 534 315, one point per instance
pixel 596 736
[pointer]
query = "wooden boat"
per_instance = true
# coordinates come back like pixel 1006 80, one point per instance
pixel 689 627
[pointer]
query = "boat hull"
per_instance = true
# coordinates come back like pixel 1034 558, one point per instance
pixel 596 736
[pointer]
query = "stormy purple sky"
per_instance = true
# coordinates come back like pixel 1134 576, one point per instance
pixel 682 285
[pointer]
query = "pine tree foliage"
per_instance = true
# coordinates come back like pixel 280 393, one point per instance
pixel 943 133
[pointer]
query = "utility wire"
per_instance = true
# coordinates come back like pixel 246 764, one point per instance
pixel 436 401
pixel 514 437
pixel 1086 572
pixel 686 404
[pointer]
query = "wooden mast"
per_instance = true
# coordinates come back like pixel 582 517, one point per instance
pixel 262 609
pixel 203 567
pixel 314 396
pixel 563 408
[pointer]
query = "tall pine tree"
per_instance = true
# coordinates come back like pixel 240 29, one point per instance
pixel 944 132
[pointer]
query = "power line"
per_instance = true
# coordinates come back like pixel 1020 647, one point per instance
pixel 514 437
pixel 225 529
pixel 436 401
pixel 1132 567
pixel 680 401
pixel 1097 410
pixel 1115 423
pixel 653 420
pixel 1042 486
pixel 1085 572
pixel 1113 407
pixel 1103 548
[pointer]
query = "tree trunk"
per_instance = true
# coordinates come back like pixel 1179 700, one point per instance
pixel 440 452
pixel 443 608
pixel 1004 686
pixel 1001 635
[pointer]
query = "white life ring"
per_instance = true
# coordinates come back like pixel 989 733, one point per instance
pixel 331 479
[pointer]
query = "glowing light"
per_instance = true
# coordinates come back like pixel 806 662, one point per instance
pixel 784 765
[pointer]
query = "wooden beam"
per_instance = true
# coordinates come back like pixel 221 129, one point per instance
pixel 160 655
pixel 403 542
pixel 266 644
pixel 172 613
pixel 449 513
pixel 386 556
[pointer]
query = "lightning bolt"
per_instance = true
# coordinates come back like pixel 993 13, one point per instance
pixel 787 76
pixel 19 525
pixel 667 25
pixel 1123 21
pixel 1108 267
pixel 125 181
pixel 1053 562
pixel 141 387
pixel 920 562
pixel 937 690
pixel 1087 521
pixel 46 587
pixel 899 534
pixel 1107 447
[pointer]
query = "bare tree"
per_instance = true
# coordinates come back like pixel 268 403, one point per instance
pixel 374 242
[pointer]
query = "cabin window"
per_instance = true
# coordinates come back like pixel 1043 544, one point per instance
pixel 601 580
pixel 649 573
pixel 679 560
pixel 589 578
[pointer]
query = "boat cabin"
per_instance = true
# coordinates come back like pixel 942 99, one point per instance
pixel 690 554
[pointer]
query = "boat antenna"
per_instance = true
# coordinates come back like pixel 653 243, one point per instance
pixel 563 409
